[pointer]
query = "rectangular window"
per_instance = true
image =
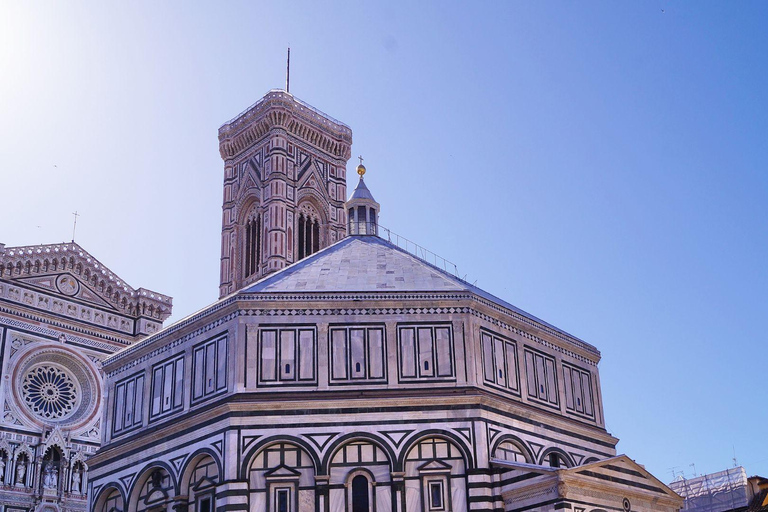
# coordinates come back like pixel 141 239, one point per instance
pixel 541 377
pixel 578 390
pixel 283 500
pixel 129 399
pixel 500 362
pixel 436 500
pixel 205 504
pixel 209 368
pixel 376 353
pixel 487 344
pixel 407 353
pixel 357 354
pixel 268 355
pixel 425 352
pixel 167 387
pixel 287 354
pixel 444 361
pixel 339 354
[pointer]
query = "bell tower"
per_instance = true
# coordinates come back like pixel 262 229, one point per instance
pixel 284 187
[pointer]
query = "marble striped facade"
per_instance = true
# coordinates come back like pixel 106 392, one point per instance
pixel 321 412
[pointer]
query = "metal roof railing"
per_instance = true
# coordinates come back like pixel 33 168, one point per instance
pixel 372 228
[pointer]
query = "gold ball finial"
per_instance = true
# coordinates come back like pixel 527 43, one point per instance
pixel 361 168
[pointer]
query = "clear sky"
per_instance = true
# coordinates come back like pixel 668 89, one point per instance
pixel 601 165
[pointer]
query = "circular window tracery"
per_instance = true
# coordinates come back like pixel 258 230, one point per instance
pixel 49 392
pixel 57 387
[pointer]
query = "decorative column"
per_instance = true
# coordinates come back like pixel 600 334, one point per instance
pixel 398 491
pixel 321 493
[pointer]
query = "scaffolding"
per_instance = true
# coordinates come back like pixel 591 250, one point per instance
pixel 716 492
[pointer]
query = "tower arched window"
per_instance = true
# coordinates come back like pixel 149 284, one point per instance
pixel 308 231
pixel 252 244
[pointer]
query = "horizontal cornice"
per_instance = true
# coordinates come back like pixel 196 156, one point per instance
pixel 280 109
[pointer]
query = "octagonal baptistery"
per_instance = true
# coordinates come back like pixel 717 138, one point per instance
pixel 360 378
pixel 348 374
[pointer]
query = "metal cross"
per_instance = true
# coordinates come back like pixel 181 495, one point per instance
pixel 361 160
pixel 74 227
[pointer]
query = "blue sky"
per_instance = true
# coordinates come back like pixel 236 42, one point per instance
pixel 601 165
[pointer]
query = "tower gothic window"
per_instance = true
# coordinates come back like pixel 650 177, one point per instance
pixel 252 245
pixel 308 234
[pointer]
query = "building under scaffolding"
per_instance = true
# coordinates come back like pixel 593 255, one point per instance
pixel 728 490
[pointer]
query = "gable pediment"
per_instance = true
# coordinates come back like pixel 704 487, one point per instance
pixel 434 466
pixel 312 179
pixel 69 285
pixel 282 472
pixel 623 470
pixel 68 271
pixel 252 176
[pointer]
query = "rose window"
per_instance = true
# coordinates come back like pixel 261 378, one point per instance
pixel 49 392
pixel 56 386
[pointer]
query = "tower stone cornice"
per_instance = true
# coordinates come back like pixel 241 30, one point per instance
pixel 280 109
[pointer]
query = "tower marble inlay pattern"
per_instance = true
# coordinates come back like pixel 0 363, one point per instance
pixel 284 187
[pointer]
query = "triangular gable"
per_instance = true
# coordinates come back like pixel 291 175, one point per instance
pixel 254 171
pixel 69 270
pixel 282 471
pixel 69 285
pixel 311 178
pixel 614 483
pixel 204 483
pixel 434 465
pixel 251 178
pixel 622 469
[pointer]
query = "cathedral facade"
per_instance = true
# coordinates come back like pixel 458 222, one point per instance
pixel 62 312
pixel 339 372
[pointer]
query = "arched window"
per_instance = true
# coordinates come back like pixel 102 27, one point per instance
pixel 252 244
pixel 509 450
pixel 439 466
pixel 360 502
pixel 110 501
pixel 556 460
pixel 308 231
pixel 267 475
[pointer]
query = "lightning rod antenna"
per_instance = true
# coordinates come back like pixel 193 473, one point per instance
pixel 288 72
pixel 74 227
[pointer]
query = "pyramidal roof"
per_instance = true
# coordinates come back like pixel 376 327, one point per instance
pixel 359 264
pixel 362 192
pixel 372 264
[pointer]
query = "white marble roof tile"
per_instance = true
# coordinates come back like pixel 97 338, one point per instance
pixel 358 264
